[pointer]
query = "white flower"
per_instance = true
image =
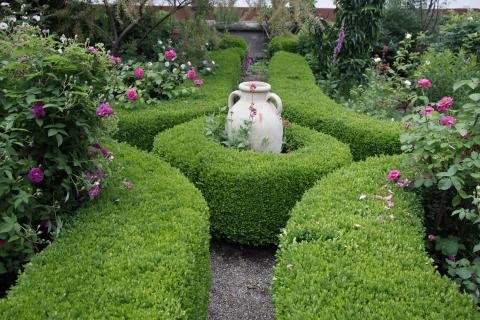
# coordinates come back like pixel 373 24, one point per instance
pixel 174 70
pixel 60 51
pixel 427 63
pixel 22 7
pixel 470 18
pixel 12 18
pixel 24 17
pixel 209 69
pixel 160 42
pixel 377 60
pixel 36 18
pixel 182 66
pixel 3 26
pixel 167 64
pixel 407 83
pixel 205 62
pixel 63 38
pixel 213 62
pixel 150 64
pixel 189 63
pixel 408 36
pixel 5 4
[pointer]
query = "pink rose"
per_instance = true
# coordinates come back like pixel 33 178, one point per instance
pixel 431 237
pixel 408 125
pixel 191 74
pixel 448 120
pixel 132 94
pixel 115 59
pixel 139 73
pixel 424 83
pixel 452 258
pixel 427 111
pixel 444 104
pixel 198 82
pixel 170 54
pixel 393 175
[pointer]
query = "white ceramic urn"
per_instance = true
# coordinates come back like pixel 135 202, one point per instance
pixel 255 104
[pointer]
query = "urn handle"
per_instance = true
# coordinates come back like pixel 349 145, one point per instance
pixel 277 100
pixel 232 96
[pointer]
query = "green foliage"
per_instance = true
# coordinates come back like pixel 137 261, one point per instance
pixel 288 42
pixel 228 41
pixel 249 193
pixel 305 104
pixel 346 258
pixel 139 253
pixel 139 127
pixel 444 69
pixel 49 94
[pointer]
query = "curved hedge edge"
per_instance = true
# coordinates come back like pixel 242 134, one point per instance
pixel 232 41
pixel 287 42
pixel 338 260
pixel 138 127
pixel 141 253
pixel 305 104
pixel 250 194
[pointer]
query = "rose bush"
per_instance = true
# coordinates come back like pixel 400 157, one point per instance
pixel 51 122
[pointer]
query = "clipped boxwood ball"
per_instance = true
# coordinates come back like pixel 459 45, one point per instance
pixel 250 194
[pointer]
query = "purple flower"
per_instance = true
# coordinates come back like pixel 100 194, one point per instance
pixel 115 59
pixel 139 73
pixel 38 110
pixel 341 38
pixel 104 110
pixel 90 177
pixel 92 50
pixel 100 173
pixel 448 120
pixel 403 183
pixel 127 184
pixel 35 175
pixel 132 94
pixel 430 237
pixel 444 104
pixel 453 258
pixel 95 191
pixel 393 175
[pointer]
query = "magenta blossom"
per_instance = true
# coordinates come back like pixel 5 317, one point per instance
pixel 35 175
pixel 444 104
pixel 452 258
pixel 92 50
pixel 253 110
pixel 90 177
pixel 115 59
pixel 104 110
pixel 38 110
pixel 2 243
pixel 100 173
pixel 403 183
pixel 424 83
pixel 448 120
pixel 191 74
pixel 408 125
pixel 430 237
pixel 106 153
pixel 427 111
pixel 127 184
pixel 95 191
pixel 170 54
pixel 132 94
pixel 253 87
pixel 393 175
pixel 139 73
pixel 198 82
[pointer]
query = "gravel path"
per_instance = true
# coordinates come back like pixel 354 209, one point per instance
pixel 241 278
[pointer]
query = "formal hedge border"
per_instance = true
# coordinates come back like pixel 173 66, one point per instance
pixel 138 127
pixel 306 105
pixel 250 194
pixel 141 253
pixel 232 41
pixel 287 42
pixel 338 260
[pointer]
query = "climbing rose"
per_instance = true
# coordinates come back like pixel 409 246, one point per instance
pixel 170 54
pixel 393 175
pixel 424 83
pixel 104 110
pixel 191 74
pixel 431 237
pixel 139 73
pixel 131 94
pixel 35 175
pixel 95 191
pixel 38 110
pixel 115 59
pixel 127 184
pixel 427 111
pixel 444 104
pixel 448 120
pixel 198 82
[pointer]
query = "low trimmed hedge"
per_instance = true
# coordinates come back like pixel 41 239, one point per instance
pixel 288 42
pixel 249 193
pixel 228 41
pixel 138 127
pixel 305 104
pixel 338 260
pixel 141 253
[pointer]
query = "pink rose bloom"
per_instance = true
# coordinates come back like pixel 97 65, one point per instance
pixel 95 191
pixel 198 82
pixel 170 54
pixel 393 175
pixel 408 125
pixel 191 74
pixel 403 183
pixel 431 237
pixel 448 120
pixel 444 104
pixel 452 258
pixel 35 175
pixel 132 94
pixel 104 110
pixel 115 59
pixel 424 83
pixel 139 73
pixel 427 111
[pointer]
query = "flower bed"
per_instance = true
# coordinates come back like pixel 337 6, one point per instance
pixel 305 104
pixel 139 126
pixel 344 255
pixel 140 251
pixel 250 194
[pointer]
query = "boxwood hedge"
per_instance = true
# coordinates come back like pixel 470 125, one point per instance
pixel 138 127
pixel 339 259
pixel 306 105
pixel 232 41
pixel 250 194
pixel 139 253
pixel 286 42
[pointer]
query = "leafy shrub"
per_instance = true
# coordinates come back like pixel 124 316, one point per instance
pixel 288 42
pixel 139 127
pixel 348 258
pixel 309 107
pixel 231 41
pixel 442 146
pixel 50 128
pixel 140 253
pixel 250 193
